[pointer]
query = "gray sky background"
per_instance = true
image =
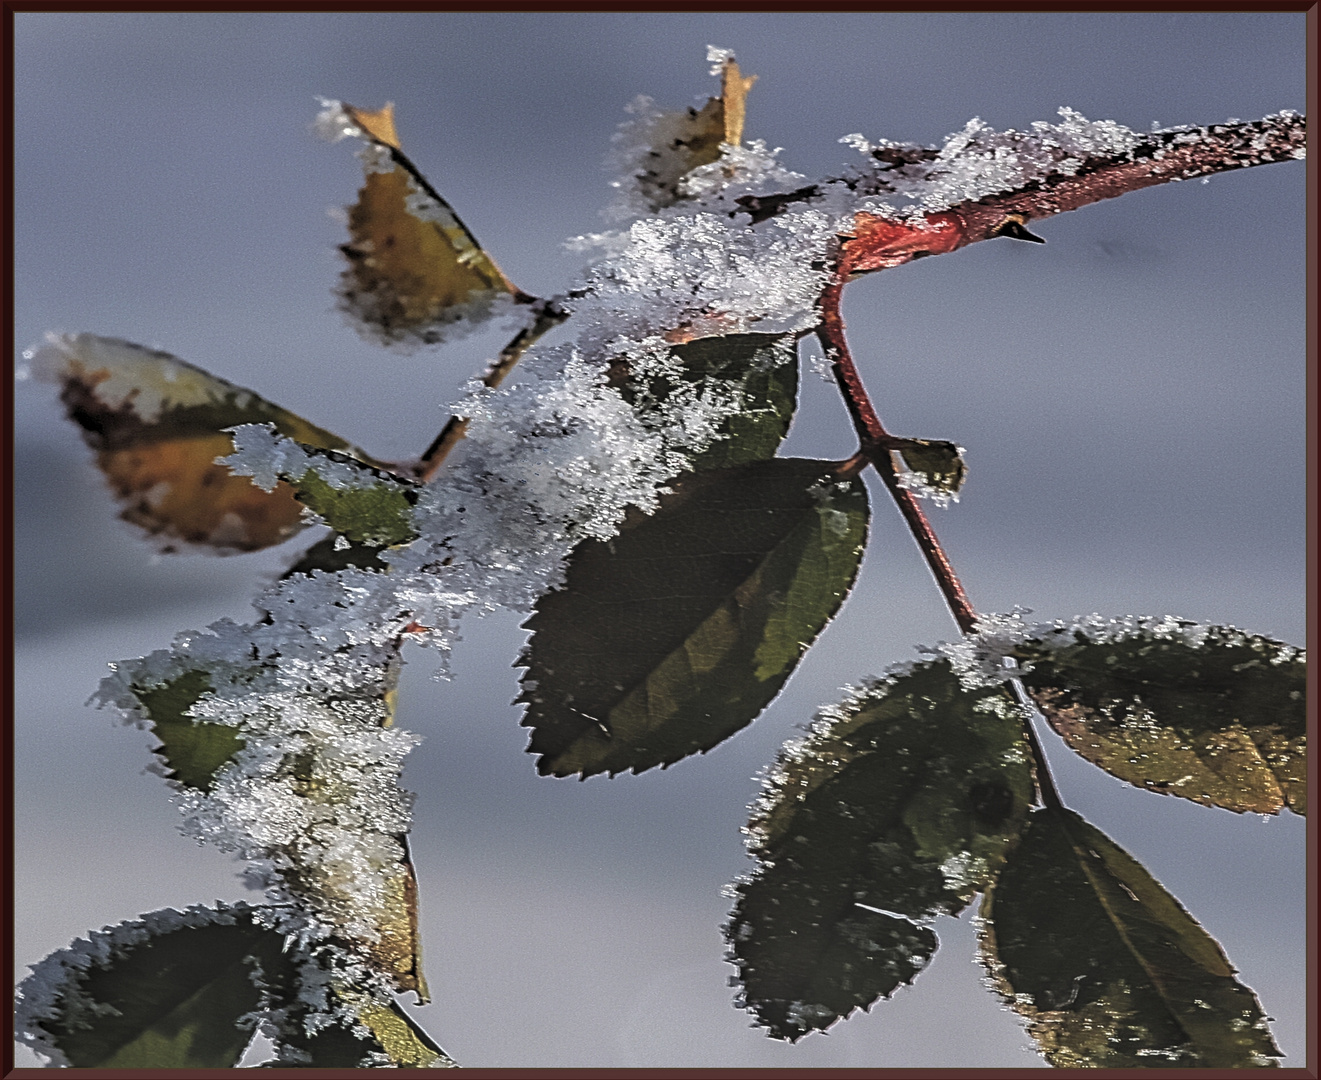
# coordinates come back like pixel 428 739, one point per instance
pixel 1131 396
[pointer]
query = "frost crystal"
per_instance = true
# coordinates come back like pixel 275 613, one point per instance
pixel 980 161
pixel 716 57
pixel 332 123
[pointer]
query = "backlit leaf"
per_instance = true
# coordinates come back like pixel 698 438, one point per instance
pixel 164 992
pixel 678 632
pixel 761 368
pixel 376 514
pixel 381 1033
pixel 157 425
pixel 1211 714
pixel 899 806
pixel 414 268
pixel 1107 968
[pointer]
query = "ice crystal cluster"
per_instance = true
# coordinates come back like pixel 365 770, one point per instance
pixel 980 161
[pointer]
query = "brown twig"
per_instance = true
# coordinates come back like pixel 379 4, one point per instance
pixel 547 314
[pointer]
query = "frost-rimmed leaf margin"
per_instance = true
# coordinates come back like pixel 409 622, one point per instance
pixel 61 1020
pixel 898 806
pixel 1213 714
pixel 279 974
pixel 156 424
pixel 365 505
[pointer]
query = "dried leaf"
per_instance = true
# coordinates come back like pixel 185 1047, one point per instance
pixel 157 425
pixel 414 267
pixel 734 87
pixel 683 141
pixel 1109 970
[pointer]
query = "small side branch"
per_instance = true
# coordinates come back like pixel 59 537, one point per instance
pixel 546 315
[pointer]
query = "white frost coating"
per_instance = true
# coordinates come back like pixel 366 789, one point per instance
pixel 554 456
pixel 917 483
pixel 332 123
pixel 265 455
pixel 716 57
pixel 980 161
pixel 314 791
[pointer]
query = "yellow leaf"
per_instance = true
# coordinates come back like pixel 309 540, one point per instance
pixel 379 126
pixel 157 426
pixel 414 267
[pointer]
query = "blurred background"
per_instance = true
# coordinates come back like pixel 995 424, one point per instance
pixel 1131 397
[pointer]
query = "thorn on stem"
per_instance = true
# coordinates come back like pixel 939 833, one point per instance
pixel 1014 227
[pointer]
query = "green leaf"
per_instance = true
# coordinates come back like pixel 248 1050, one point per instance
pixel 762 368
pixel 157 425
pixel 765 367
pixel 192 750
pixel 1208 713
pixel 933 468
pixel 679 631
pixel 377 511
pixel 389 1032
pixel 165 992
pixel 1109 970
pixel 898 807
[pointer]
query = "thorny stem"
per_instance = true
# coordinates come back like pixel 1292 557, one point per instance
pixel 547 314
pixel 875 443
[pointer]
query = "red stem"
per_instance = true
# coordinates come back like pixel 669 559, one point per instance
pixel 875 442
pixel 875 447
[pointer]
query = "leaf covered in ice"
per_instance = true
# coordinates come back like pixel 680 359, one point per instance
pixel 931 468
pixel 168 991
pixel 672 144
pixel 192 750
pixel 1106 966
pixel 365 505
pixel 677 633
pixel 333 554
pixel 414 270
pixel 1208 713
pixel 761 369
pixel 899 806
pixel 157 425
